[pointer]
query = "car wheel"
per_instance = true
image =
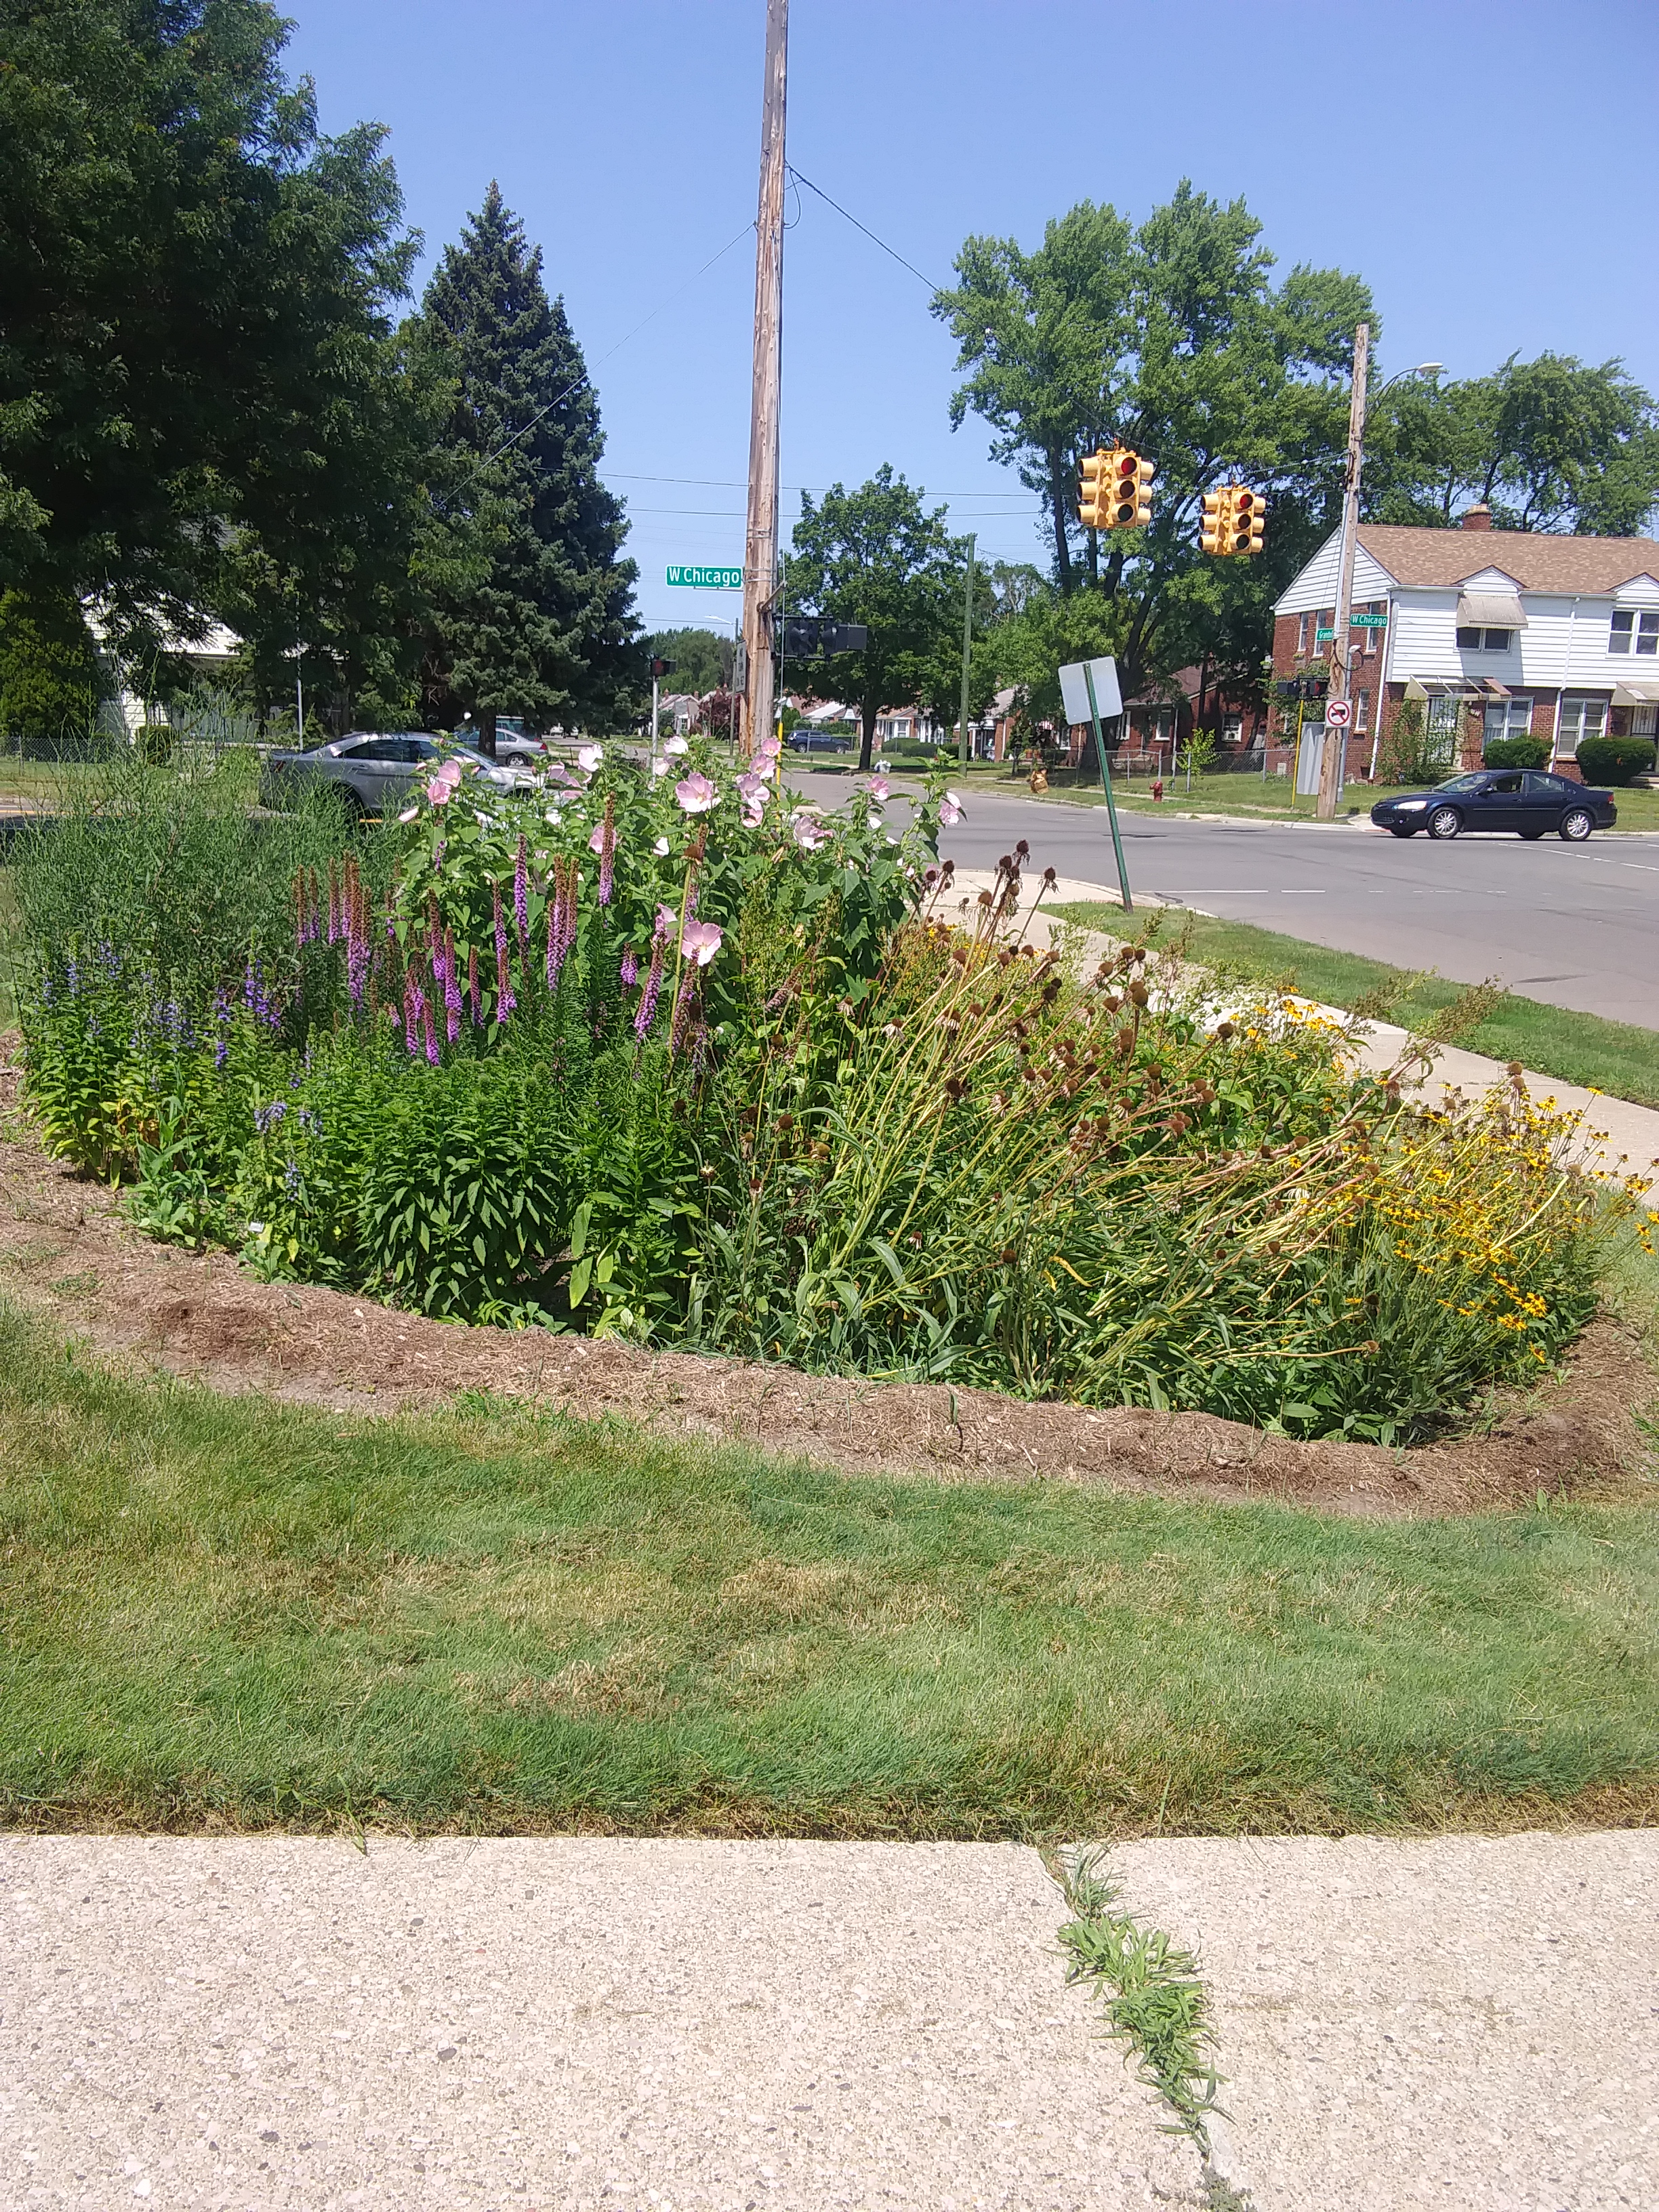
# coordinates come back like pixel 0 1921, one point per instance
pixel 1445 822
pixel 1401 829
pixel 1576 824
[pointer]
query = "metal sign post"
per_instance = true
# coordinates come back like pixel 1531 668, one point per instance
pixel 1106 786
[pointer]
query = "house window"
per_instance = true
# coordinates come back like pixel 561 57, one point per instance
pixel 1485 640
pixel 1631 629
pixel 1362 711
pixel 1302 634
pixel 1506 718
pixel 1580 717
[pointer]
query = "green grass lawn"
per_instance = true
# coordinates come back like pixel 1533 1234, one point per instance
pixel 217 1610
pixel 1615 1057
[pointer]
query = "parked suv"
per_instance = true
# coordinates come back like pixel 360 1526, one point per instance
pixel 1523 800
pixel 372 774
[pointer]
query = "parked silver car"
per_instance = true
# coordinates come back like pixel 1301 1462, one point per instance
pixel 372 774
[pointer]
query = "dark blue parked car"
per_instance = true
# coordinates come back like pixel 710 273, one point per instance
pixel 1524 800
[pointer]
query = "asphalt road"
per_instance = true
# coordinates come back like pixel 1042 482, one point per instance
pixel 1575 925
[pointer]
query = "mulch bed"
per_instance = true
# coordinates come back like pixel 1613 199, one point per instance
pixel 66 1252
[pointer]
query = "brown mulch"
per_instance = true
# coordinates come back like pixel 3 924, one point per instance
pixel 65 1252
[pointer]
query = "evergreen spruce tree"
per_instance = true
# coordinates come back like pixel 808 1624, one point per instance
pixel 549 631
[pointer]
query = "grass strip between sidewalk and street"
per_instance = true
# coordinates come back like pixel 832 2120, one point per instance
pixel 1615 1057
pixel 223 1612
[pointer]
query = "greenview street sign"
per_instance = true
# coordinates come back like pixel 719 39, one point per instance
pixel 706 579
pixel 1355 622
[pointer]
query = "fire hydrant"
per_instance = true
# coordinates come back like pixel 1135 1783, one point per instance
pixel 1158 787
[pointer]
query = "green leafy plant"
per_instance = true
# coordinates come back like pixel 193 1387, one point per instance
pixel 1516 752
pixel 1615 760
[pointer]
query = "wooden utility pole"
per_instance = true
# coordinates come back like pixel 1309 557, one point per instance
pixel 1336 740
pixel 760 557
pixel 966 651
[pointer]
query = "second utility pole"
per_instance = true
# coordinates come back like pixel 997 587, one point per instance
pixel 760 555
pixel 1333 757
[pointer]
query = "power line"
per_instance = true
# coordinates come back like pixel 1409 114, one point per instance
pixel 667 301
pixel 934 288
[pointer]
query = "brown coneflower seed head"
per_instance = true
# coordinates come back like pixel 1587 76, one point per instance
pixel 1023 849
pixel 1049 880
pixel 786 1121
pixel 1224 1029
pixel 1138 993
pixel 1009 1256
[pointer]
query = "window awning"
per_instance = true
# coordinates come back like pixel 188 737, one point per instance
pixel 1490 611
pixel 1632 692
pixel 1490 687
pixel 1431 687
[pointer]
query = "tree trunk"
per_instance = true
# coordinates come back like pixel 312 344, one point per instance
pixel 867 713
pixel 1059 500
pixel 484 723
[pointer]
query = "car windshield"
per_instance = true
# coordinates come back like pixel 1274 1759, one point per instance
pixel 1462 783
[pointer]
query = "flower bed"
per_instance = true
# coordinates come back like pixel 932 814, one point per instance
pixel 668 1054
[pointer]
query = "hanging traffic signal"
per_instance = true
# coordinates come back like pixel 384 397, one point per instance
pixel 1249 521
pixel 1091 498
pixel 1130 491
pixel 1235 521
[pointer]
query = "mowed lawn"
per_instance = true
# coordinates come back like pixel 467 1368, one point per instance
pixel 219 1611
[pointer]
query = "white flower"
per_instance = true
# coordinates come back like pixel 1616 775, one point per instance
pixel 675 746
pixel 660 848
pixel 589 757
pixel 554 817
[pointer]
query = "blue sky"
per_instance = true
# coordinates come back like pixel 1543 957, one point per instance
pixel 1487 167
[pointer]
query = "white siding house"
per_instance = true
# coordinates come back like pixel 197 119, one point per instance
pixel 1499 632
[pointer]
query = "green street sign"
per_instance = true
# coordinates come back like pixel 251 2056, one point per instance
pixel 1368 621
pixel 1323 636
pixel 706 579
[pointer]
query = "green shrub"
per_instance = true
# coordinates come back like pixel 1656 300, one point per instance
pixel 1518 752
pixel 1615 760
pixel 155 743
pixel 52 683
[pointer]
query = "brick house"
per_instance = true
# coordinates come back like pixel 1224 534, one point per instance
pixel 1494 633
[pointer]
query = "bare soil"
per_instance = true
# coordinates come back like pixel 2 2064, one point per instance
pixel 67 1253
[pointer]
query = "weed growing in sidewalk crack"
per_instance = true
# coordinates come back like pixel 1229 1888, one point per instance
pixel 1153 2001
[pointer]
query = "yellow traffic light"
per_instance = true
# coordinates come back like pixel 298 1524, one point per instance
pixel 1128 503
pixel 1249 521
pixel 1235 521
pixel 1091 499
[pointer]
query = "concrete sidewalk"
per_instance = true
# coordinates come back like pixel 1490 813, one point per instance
pixel 1617 1137
pixel 578 2023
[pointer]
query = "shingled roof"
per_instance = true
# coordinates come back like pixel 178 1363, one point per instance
pixel 1537 561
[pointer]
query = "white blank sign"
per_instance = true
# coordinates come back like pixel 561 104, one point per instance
pixel 1074 689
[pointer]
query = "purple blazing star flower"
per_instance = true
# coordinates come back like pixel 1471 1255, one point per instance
pixel 506 1003
pixel 430 1028
pixel 630 967
pixel 452 989
pixel 521 891
pixel 652 988
pixel 473 992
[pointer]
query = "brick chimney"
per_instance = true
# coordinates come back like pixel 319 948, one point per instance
pixel 1476 518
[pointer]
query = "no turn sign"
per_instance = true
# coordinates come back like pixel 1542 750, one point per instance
pixel 1338 713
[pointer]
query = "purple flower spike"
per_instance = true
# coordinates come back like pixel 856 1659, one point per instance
pixel 630 967
pixel 521 891
pixel 473 991
pixel 430 1028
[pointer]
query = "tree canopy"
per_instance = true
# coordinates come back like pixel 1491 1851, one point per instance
pixel 547 631
pixel 876 555
pixel 1173 339
pixel 200 394
pixel 1552 444
pixel 701 659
